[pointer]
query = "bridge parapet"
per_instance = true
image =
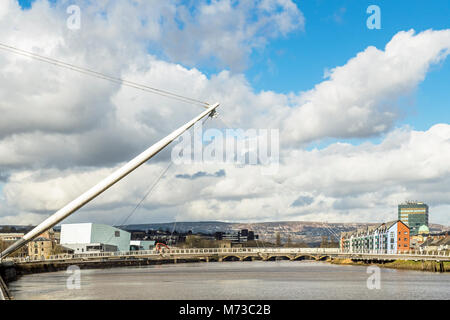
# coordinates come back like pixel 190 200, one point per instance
pixel 238 252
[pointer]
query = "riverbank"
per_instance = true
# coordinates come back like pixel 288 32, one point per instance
pixel 431 266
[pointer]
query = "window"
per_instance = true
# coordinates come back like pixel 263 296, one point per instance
pixel 399 232
pixel 117 234
pixel 406 232
pixel 406 239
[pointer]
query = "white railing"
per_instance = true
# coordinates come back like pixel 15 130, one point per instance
pixel 179 251
pixel 224 251
pixel 410 253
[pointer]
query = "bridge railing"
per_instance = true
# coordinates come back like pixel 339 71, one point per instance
pixel 180 251
pixel 173 252
pixel 412 253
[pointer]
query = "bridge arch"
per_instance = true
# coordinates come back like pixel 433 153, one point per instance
pixel 278 257
pixel 230 258
pixel 322 258
pixel 301 257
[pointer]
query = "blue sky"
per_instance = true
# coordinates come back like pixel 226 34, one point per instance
pixel 334 32
pixel 299 60
pixel 361 182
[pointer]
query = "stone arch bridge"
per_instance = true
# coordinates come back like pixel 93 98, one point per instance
pixel 175 255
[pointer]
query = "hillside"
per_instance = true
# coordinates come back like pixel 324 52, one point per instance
pixel 299 231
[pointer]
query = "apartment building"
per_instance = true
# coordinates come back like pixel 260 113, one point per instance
pixel 390 237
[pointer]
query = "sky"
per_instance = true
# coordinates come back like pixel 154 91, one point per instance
pixel 362 113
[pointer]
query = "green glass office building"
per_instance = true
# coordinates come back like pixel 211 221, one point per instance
pixel 414 215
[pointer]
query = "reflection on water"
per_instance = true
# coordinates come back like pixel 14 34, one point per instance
pixel 235 280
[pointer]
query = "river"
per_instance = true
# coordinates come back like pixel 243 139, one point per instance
pixel 235 280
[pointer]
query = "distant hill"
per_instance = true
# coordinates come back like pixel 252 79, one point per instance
pixel 14 228
pixel 195 227
pixel 299 231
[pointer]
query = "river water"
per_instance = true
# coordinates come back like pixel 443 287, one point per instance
pixel 235 280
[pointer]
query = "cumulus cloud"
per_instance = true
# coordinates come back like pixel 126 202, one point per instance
pixel 46 109
pixel 61 132
pixel 223 32
pixel 99 123
pixel 360 98
pixel 339 183
pixel 228 31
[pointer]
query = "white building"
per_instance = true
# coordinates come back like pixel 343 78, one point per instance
pixel 91 237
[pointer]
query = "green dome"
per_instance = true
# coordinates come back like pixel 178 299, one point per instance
pixel 424 229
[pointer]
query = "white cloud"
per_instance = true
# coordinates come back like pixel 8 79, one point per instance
pixel 360 98
pixel 342 183
pixel 46 109
pixel 60 132
pixel 228 30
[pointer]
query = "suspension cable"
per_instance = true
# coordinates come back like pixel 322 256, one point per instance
pixel 103 76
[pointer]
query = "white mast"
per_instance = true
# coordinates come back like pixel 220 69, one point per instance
pixel 103 185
